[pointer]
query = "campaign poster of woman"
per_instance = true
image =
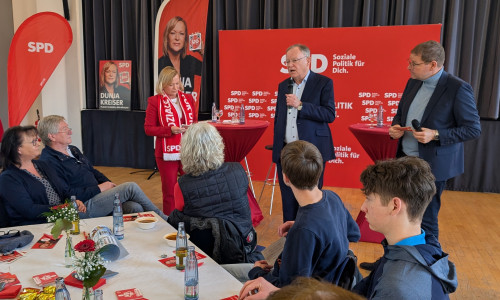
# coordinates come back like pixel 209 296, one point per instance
pixel 114 84
pixel 180 36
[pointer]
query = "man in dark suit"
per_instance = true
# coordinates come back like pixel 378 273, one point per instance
pixel 304 109
pixel 445 107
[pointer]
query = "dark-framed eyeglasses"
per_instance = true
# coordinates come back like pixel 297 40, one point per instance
pixel 412 64
pixel 34 142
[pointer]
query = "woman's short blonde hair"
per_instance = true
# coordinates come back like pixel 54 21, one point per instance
pixel 202 149
pixel 165 78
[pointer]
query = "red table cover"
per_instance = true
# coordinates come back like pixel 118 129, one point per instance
pixel 378 145
pixel 239 140
pixel 375 140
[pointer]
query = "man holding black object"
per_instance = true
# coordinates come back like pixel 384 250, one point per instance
pixel 304 109
pixel 442 110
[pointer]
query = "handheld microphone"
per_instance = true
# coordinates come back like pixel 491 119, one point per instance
pixel 290 89
pixel 416 124
pixel 290 86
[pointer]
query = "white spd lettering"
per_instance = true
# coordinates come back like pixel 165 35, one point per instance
pixel 171 148
pixel 40 47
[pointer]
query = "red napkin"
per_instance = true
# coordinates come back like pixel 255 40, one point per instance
pixel 70 280
pixel 10 292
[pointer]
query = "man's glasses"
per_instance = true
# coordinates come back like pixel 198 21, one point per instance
pixel 293 61
pixel 65 130
pixel 412 64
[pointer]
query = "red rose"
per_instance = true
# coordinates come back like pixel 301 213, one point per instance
pixel 85 246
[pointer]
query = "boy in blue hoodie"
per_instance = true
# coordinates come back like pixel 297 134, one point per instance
pixel 413 266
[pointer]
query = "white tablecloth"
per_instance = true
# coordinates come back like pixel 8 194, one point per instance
pixel 140 269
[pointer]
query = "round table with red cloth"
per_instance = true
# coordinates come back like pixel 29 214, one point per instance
pixel 378 145
pixel 239 140
pixel 375 140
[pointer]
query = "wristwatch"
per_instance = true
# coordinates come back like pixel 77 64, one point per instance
pixel 436 135
pixel 300 106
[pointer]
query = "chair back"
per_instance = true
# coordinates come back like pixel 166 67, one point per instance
pixel 350 274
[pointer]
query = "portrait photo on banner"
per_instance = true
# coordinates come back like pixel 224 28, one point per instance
pixel 114 84
pixel 180 41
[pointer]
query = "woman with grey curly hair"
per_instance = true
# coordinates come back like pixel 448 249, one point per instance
pixel 202 149
pixel 213 195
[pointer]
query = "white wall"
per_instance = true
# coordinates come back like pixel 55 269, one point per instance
pixel 63 94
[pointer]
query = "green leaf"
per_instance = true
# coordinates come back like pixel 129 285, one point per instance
pixel 94 277
pixel 57 228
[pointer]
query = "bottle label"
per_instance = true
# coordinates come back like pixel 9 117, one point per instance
pixel 180 255
pixel 191 290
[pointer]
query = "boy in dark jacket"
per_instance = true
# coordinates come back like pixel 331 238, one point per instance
pixel 317 241
pixel 413 266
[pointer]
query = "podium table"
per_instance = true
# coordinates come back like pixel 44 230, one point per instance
pixel 239 139
pixel 379 146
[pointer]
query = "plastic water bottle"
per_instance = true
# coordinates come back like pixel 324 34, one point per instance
pixel 76 224
pixel 191 290
pixel 380 116
pixel 242 114
pixel 61 290
pixel 214 113
pixel 98 295
pixel 118 230
pixel 180 247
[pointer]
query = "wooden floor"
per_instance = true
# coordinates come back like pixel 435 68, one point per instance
pixel 469 230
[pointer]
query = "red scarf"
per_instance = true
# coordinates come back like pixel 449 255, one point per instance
pixel 169 117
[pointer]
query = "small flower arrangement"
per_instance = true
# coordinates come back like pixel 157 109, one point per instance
pixel 62 216
pixel 89 267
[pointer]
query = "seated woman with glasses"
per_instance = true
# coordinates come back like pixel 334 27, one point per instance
pixel 211 198
pixel 28 187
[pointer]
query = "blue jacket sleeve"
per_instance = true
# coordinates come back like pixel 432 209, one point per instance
pixel 353 233
pixel 15 193
pixel 297 257
pixel 468 126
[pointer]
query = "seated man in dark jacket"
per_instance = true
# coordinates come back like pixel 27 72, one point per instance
pixel 212 197
pixel 81 179
pixel 317 242
pixel 413 266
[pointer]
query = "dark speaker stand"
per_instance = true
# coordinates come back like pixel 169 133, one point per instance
pixel 155 169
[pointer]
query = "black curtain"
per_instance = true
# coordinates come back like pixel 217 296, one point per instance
pixel 120 30
pixel 124 29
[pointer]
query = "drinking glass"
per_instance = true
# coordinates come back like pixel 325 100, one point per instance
pixel 220 112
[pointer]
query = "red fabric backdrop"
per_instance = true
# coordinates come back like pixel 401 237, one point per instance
pixel 368 66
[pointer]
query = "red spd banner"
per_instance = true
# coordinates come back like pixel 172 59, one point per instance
pixel 180 41
pixel 36 49
pixel 368 66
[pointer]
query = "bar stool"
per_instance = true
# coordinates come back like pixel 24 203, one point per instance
pixel 269 147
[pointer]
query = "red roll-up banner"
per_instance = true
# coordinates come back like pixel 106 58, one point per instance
pixel 180 41
pixel 368 66
pixel 38 46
